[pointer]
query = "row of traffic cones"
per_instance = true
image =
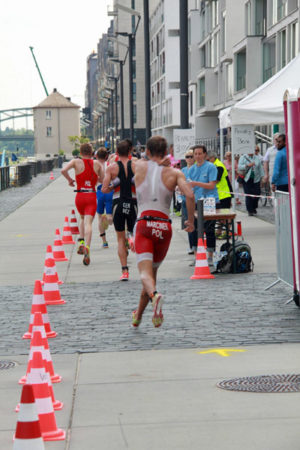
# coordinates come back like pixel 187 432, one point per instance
pixel 201 265
pixel 36 419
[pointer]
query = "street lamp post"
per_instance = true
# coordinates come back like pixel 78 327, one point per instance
pixel 131 40
pixel 121 64
pixel 147 69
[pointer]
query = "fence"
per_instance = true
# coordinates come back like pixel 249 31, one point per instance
pixel 284 255
pixel 4 178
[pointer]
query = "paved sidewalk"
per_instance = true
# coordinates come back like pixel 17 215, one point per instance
pixel 150 388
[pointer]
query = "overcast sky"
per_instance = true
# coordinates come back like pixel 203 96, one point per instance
pixel 62 32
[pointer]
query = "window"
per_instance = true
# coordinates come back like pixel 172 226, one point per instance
pixel 260 17
pixel 215 47
pixel 214 13
pixel 269 59
pixel 191 103
pixel 294 33
pixel 281 9
pixel 248 19
pixel 201 91
pixel 241 70
pixel 223 31
pixel 282 49
pixel 48 114
pixel 49 132
pixel 202 57
pixel 134 91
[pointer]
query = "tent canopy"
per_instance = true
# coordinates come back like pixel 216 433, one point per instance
pixel 265 104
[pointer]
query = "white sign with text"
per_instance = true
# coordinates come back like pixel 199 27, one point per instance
pixel 183 139
pixel 243 139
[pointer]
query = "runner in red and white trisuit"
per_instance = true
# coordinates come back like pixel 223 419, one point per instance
pixel 87 173
pixel 155 185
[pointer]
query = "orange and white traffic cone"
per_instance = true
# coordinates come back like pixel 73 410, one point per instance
pixel 39 305
pixel 38 378
pixel 51 176
pixel 28 431
pixel 39 343
pixel 50 273
pixel 73 223
pixel 201 265
pixel 58 249
pixel 67 235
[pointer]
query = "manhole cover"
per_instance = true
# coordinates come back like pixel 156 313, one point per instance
pixel 7 365
pixel 263 383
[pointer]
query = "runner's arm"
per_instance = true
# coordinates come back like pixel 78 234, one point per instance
pixel 65 170
pixel 210 185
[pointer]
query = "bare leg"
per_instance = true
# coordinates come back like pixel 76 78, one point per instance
pixel 101 228
pixel 122 251
pixel 88 221
pixel 148 277
pixel 81 227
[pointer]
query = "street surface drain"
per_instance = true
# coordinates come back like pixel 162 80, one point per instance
pixel 263 383
pixel 6 365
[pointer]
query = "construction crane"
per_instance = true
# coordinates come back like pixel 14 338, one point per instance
pixel 37 66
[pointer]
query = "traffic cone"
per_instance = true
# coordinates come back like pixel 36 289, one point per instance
pixel 67 235
pixel 51 176
pixel 239 229
pixel 39 305
pixel 205 241
pixel 39 343
pixel 28 434
pixel 50 272
pixel 73 223
pixel 58 249
pixel 201 266
pixel 38 378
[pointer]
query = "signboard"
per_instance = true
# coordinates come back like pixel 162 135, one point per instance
pixel 183 139
pixel 243 139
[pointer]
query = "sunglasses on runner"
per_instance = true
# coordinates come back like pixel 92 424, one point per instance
pixel 189 156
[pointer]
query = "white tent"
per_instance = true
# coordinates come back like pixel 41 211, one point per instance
pixel 265 104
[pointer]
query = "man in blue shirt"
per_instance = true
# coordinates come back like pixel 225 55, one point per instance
pixel 203 176
pixel 280 179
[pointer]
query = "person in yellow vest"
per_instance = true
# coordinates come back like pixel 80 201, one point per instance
pixel 223 182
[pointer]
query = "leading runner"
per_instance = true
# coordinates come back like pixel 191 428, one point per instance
pixel 155 185
pixel 87 173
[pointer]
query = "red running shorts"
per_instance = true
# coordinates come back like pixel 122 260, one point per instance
pixel 86 203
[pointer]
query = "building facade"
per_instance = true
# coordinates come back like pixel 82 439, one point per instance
pixel 55 119
pixel 234 47
pixel 165 68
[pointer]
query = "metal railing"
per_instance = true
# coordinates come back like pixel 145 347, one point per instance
pixel 284 254
pixel 4 178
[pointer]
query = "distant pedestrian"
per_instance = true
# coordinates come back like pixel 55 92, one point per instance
pixel 269 159
pixel 251 166
pixel 280 179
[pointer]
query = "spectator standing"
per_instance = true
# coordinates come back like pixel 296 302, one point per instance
pixel 258 154
pixel 203 176
pixel 280 179
pixel 190 161
pixel 228 165
pixel 269 159
pixel 251 166
pixel 223 183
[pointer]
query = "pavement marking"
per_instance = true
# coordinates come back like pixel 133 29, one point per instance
pixel 221 351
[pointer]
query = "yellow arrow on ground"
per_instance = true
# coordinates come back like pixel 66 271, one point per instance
pixel 221 351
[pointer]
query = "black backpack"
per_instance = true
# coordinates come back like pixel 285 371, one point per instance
pixel 243 258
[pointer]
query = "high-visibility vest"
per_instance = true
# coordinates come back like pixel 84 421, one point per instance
pixel 222 185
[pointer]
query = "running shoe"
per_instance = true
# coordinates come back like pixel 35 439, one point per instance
pixel 135 322
pixel 105 245
pixel 80 250
pixel 157 318
pixel 124 276
pixel 86 259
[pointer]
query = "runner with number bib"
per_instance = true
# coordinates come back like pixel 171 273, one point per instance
pixel 119 178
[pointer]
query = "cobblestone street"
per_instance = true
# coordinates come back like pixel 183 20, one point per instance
pixel 97 316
